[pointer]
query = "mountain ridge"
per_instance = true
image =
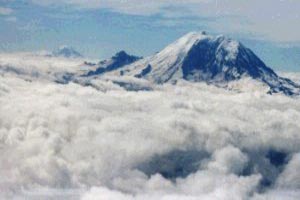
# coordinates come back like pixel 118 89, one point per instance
pixel 116 62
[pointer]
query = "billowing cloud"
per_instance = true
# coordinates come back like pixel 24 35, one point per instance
pixel 188 141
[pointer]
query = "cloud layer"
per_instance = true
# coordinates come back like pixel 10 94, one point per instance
pixel 274 20
pixel 187 141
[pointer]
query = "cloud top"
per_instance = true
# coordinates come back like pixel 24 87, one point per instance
pixel 68 141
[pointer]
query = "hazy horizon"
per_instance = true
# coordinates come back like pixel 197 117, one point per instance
pixel 101 28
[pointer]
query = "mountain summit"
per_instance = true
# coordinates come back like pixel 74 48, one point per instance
pixel 199 57
pixel 67 52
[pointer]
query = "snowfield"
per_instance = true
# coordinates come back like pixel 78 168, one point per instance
pixel 99 141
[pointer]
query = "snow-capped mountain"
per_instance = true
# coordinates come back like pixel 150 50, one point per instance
pixel 116 62
pixel 199 57
pixel 67 52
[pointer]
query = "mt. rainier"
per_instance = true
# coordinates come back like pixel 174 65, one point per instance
pixel 199 57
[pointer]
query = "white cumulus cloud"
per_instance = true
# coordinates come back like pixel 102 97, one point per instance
pixel 184 141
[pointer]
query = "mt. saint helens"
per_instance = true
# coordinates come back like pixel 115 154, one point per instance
pixel 67 52
pixel 199 57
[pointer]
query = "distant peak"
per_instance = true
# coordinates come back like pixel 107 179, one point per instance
pixel 65 48
pixel 66 51
pixel 123 55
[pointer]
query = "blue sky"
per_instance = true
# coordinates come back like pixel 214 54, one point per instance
pixel 99 28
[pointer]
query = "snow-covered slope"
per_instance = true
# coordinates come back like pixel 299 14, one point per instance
pixel 215 60
pixel 166 64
